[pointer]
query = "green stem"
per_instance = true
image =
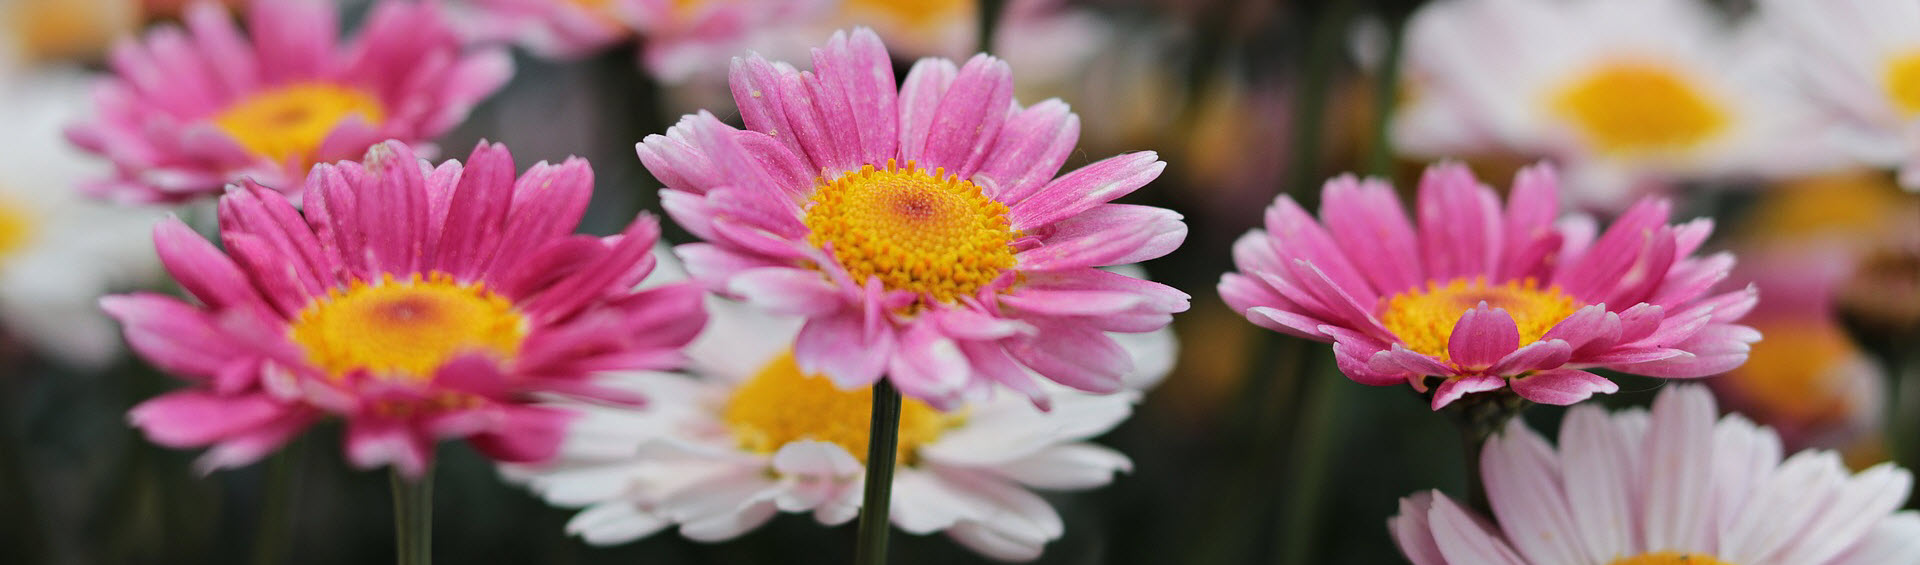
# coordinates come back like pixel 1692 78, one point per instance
pixel 1478 416
pixel 1386 99
pixel 883 446
pixel 413 518
pixel 276 512
pixel 989 22
pixel 1312 103
pixel 1312 452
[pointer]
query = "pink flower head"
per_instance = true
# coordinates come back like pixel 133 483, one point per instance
pixel 1482 297
pixel 414 302
pixel 920 231
pixel 189 111
pixel 1669 486
pixel 678 39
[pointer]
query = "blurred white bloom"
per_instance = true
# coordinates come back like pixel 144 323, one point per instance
pixel 58 252
pixel 1860 60
pixel 1628 95
pixel 746 435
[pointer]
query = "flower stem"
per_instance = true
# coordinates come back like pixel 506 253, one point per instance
pixel 882 447
pixel 1386 97
pixel 413 518
pixel 276 512
pixel 1477 417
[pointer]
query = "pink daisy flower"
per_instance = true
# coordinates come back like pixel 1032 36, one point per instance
pixel 920 231
pixel 1481 297
pixel 414 302
pixel 189 111
pixel 1670 487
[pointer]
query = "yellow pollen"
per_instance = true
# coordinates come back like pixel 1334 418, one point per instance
pixel 290 122
pixel 929 233
pixel 1669 558
pixel 1631 107
pixel 17 226
pixel 1423 319
pixel 406 329
pixel 782 405
pixel 1903 84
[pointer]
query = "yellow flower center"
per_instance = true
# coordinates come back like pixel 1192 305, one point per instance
pixel 291 121
pixel 406 328
pixel 1631 107
pixel 921 16
pixel 916 231
pixel 1669 558
pixel 1791 373
pixel 782 405
pixel 1903 84
pixel 50 30
pixel 1424 319
pixel 17 226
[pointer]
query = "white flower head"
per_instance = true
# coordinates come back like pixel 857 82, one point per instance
pixel 1859 60
pixel 745 435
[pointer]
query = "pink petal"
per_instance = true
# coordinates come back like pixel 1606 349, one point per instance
pixel 1562 386
pixel 1109 234
pixel 1456 387
pixel 1482 337
pixel 968 119
pixel 524 434
pixel 193 418
pixel 1033 145
pixel 1085 188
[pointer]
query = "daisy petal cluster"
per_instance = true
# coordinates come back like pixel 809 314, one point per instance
pixel 748 435
pixel 919 228
pixel 59 251
pixel 1628 95
pixel 1483 296
pixel 1669 487
pixel 190 110
pixel 1860 60
pixel 414 302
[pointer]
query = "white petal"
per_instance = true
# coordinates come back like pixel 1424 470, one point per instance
pixel 1072 466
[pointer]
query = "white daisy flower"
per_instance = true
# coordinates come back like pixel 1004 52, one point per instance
pixel 59 253
pixel 1860 60
pixel 1627 95
pixel 1670 487
pixel 746 434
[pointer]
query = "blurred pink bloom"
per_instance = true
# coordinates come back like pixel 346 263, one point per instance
pixel 1668 488
pixel 415 302
pixel 1486 298
pixel 678 39
pixel 919 230
pixel 191 110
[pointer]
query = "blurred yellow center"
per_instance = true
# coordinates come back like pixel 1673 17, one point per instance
pixel 922 16
pixel 406 328
pixel 17 226
pixel 915 230
pixel 290 122
pixel 1630 107
pixel 1424 319
pixel 1903 84
pixel 1791 374
pixel 782 405
pixel 50 30
pixel 1669 558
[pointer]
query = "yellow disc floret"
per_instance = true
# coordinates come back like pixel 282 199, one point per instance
pixel 1423 319
pixel 290 122
pixel 1903 84
pixel 1669 558
pixel 17 226
pixel 782 405
pixel 919 231
pixel 406 329
pixel 1632 107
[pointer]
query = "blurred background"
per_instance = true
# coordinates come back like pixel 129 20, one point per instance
pixel 1255 449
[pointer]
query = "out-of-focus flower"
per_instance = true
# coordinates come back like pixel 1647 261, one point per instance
pixel 1627 95
pixel 922 232
pixel 191 110
pixel 1485 298
pixel 678 39
pixel 749 434
pixel 59 253
pixel 1667 488
pixel 54 30
pixel 1860 60
pixel 414 302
